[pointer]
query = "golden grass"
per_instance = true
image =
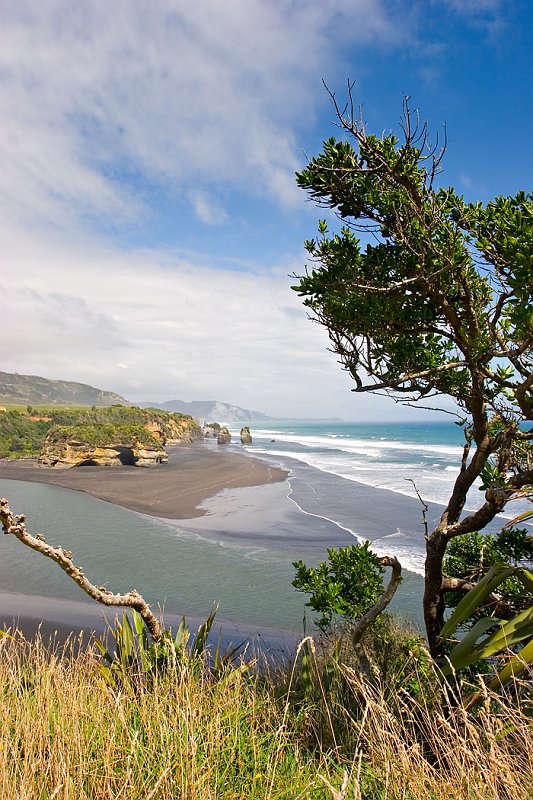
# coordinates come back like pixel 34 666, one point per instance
pixel 66 733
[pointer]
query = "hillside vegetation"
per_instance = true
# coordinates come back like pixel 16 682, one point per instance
pixel 23 433
pixel 23 389
pixel 313 729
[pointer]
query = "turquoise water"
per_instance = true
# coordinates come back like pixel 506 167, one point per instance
pixel 385 455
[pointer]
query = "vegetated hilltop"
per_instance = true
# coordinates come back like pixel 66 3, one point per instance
pixel 32 389
pixel 210 409
pixel 106 435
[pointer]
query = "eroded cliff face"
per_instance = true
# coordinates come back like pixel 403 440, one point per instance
pixel 76 454
pixel 173 431
pixel 120 437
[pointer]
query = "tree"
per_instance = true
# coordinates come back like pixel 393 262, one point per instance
pixel 439 303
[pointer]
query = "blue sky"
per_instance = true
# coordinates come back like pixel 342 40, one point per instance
pixel 150 221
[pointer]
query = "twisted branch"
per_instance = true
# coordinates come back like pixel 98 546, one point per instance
pixel 16 525
pixel 396 577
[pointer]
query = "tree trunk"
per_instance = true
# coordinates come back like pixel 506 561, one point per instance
pixel 433 598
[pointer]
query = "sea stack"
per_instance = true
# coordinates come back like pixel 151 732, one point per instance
pixel 246 436
pixel 211 430
pixel 224 436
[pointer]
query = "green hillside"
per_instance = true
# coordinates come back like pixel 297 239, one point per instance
pixel 34 390
pixel 22 433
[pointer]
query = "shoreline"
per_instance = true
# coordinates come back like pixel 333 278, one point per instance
pixel 57 620
pixel 194 473
pixel 171 492
pixel 232 502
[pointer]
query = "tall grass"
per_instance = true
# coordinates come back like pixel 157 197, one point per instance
pixel 67 733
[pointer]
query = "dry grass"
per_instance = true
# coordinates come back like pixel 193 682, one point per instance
pixel 444 752
pixel 65 733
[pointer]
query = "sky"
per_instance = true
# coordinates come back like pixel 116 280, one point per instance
pixel 150 223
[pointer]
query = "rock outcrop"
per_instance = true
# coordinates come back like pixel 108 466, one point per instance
pixel 246 436
pixel 224 436
pixel 174 431
pixel 79 454
pixel 101 446
pixel 211 430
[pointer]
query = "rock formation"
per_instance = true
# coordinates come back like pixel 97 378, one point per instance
pixel 102 446
pixel 78 454
pixel 173 431
pixel 246 436
pixel 224 436
pixel 211 430
pixel 111 435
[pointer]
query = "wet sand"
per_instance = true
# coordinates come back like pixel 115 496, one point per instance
pixel 190 487
pixel 172 491
pixel 57 621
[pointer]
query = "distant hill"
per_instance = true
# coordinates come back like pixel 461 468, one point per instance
pixel 210 411
pixel 33 390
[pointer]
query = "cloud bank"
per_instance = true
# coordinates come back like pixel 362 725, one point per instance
pixel 133 129
pixel 99 97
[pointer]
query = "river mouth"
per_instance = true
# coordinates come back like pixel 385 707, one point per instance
pixel 238 554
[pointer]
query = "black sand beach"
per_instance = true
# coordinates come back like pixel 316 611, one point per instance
pixel 171 491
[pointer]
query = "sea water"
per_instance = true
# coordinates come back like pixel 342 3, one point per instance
pixel 385 455
pixel 418 461
pixel 347 482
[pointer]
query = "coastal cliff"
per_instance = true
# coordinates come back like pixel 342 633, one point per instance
pixel 99 436
pixel 173 429
pixel 104 446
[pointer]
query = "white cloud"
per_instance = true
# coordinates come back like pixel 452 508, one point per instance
pixel 484 14
pixel 183 329
pixel 180 93
pixel 207 209
pixel 106 105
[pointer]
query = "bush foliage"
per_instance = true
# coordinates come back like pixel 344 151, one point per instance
pixel 22 433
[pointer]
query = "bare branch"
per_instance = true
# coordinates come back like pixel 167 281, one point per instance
pixel 16 524
pixel 499 606
pixel 362 624
pixel 411 377
pixel 424 506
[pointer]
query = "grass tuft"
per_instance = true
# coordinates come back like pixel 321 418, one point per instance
pixel 68 733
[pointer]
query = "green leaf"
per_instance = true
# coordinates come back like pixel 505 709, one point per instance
pixel 125 642
pixel 103 650
pixel 526 579
pixel 475 598
pixel 200 640
pixel 514 667
pixel 461 655
pixel 510 633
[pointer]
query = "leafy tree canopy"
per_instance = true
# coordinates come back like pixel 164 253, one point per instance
pixel 439 302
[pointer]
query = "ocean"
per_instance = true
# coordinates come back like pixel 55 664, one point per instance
pixel 402 458
pixel 347 482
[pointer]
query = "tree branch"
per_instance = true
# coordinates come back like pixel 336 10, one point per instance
pixel 16 524
pixel 362 624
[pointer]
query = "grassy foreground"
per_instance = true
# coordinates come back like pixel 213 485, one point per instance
pixel 67 733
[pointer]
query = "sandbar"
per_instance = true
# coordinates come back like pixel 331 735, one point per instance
pixel 194 473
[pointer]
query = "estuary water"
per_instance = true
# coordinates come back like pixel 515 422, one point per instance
pixel 347 482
